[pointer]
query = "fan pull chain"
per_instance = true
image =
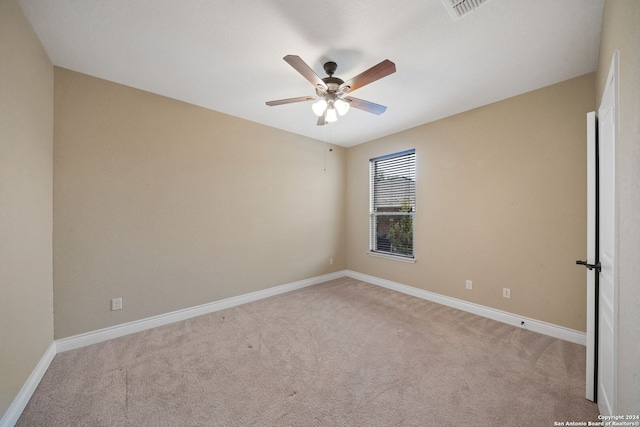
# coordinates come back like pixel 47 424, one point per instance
pixel 327 143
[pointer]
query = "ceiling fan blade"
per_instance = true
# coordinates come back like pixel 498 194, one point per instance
pixel 306 71
pixel 367 106
pixel 374 73
pixel 322 120
pixel 290 100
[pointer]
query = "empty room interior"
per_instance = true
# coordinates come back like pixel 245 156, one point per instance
pixel 184 242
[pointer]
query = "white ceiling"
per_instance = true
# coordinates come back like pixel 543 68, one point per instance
pixel 226 55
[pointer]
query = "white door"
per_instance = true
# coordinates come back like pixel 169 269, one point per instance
pixel 592 136
pixel 608 295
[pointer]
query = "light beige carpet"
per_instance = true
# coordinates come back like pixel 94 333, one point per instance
pixel 342 353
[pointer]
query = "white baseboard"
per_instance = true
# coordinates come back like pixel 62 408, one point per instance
pixel 545 328
pixel 94 337
pixel 13 412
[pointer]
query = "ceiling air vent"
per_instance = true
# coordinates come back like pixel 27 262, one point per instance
pixel 459 8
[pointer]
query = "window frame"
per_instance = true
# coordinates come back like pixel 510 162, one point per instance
pixel 374 214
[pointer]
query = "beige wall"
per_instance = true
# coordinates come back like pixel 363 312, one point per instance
pixel 501 201
pixel 26 138
pixel 621 30
pixel 169 205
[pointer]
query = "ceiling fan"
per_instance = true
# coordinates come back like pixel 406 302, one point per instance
pixel 330 91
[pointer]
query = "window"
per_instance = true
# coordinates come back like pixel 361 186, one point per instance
pixel 393 203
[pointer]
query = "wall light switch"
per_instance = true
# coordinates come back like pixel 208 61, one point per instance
pixel 116 304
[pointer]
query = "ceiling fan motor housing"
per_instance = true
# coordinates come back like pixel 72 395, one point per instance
pixel 333 90
pixel 333 86
pixel 333 83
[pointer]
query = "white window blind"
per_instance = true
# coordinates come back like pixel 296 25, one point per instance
pixel 393 203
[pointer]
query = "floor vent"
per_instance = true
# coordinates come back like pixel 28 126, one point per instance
pixel 459 8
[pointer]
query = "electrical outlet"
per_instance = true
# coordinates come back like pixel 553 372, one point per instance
pixel 506 293
pixel 116 304
pixel 469 284
pixel 330 261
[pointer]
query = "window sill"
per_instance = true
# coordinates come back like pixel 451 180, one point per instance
pixel 393 257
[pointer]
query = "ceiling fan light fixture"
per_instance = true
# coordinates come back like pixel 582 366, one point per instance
pixel 341 106
pixel 331 115
pixel 329 103
pixel 319 107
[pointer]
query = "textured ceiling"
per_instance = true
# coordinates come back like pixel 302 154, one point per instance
pixel 226 55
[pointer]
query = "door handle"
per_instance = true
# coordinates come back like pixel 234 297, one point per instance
pixel 597 267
